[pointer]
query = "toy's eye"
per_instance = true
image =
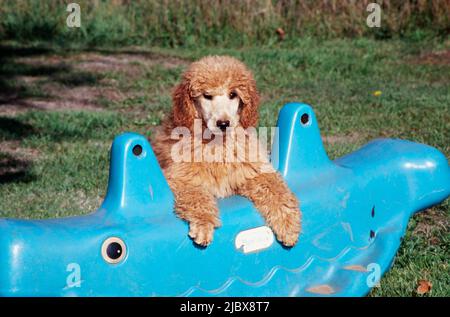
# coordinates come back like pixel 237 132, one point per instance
pixel 137 150
pixel 233 95
pixel 114 250
pixel 304 118
pixel 206 96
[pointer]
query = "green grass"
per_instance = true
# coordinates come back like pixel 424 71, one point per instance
pixel 190 23
pixel 67 171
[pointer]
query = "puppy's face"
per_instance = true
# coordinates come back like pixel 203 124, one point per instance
pixel 221 91
pixel 219 109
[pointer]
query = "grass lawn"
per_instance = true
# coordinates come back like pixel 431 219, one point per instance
pixel 59 111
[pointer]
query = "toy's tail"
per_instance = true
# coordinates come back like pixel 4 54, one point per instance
pixel 420 173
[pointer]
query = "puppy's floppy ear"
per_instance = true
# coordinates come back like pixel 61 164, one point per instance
pixel 250 105
pixel 184 111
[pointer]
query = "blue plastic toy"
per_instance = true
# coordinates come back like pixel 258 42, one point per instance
pixel 355 212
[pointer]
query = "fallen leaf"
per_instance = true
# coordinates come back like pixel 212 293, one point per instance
pixel 280 33
pixel 434 241
pixel 321 289
pixel 358 268
pixel 424 287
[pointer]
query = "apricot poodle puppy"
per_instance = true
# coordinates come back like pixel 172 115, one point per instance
pixel 216 96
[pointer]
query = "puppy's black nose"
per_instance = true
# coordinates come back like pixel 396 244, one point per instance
pixel 223 124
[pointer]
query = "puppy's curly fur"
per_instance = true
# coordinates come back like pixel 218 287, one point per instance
pixel 197 185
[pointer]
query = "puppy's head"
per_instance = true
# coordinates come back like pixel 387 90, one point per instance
pixel 221 91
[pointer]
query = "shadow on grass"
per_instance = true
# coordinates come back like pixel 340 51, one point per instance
pixel 15 91
pixel 11 128
pixel 10 89
pixel 14 169
pixel 16 51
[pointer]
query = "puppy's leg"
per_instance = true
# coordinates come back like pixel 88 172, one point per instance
pixel 199 208
pixel 277 204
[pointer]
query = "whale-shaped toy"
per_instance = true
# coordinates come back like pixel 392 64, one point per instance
pixel 355 212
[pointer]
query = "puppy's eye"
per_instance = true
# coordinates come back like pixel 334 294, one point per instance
pixel 206 96
pixel 233 95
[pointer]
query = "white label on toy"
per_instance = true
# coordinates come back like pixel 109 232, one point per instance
pixel 255 239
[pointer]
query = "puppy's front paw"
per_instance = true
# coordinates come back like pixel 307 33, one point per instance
pixel 201 233
pixel 286 226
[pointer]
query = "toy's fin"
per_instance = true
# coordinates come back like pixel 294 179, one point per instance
pixel 298 149
pixel 136 185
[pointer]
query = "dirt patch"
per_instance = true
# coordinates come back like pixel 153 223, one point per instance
pixel 433 58
pixel 78 102
pixel 13 148
pixel 42 81
pixel 127 63
pixel 130 64
pixel 28 79
pixel 429 222
pixel 87 101
pixel 82 97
